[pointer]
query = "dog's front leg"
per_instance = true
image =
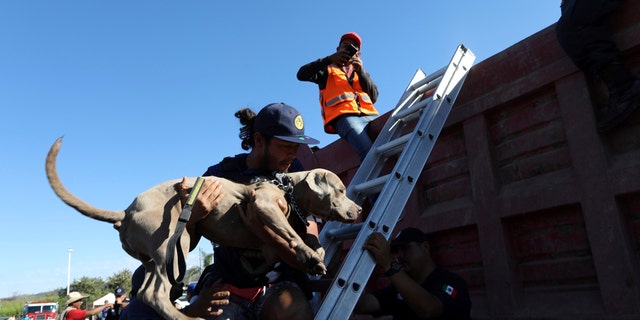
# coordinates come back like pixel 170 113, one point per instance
pixel 275 247
pixel 270 207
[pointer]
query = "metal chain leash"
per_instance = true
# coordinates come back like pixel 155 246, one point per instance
pixel 284 183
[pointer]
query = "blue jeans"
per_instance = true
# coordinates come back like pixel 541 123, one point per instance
pixel 352 128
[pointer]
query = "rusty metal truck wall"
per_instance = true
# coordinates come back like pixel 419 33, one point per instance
pixel 535 209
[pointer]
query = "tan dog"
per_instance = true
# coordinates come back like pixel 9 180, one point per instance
pixel 147 224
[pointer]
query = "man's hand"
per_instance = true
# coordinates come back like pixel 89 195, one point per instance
pixel 208 302
pixel 380 250
pixel 120 298
pixel 356 62
pixel 207 200
pixel 340 57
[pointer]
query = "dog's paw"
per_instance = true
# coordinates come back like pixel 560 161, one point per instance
pixel 317 269
pixel 313 259
pixel 320 253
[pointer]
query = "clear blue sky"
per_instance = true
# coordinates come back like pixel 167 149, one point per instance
pixel 145 91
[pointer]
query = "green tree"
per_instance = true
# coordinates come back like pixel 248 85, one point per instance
pixel 120 279
pixel 10 308
pixel 193 273
pixel 94 287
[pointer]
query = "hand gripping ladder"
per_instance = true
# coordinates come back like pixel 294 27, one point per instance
pixel 429 100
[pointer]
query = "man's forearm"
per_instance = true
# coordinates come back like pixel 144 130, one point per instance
pixel 314 71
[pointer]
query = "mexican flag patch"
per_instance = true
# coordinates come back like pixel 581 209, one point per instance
pixel 450 290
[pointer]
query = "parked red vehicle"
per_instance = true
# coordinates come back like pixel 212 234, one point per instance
pixel 41 310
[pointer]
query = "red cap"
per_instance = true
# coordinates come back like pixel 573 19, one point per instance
pixel 352 36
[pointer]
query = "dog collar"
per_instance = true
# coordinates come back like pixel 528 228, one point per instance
pixel 284 183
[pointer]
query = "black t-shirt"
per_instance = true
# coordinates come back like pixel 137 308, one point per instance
pixel 447 286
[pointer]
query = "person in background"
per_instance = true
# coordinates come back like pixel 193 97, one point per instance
pixel 259 290
pixel 191 288
pixel 347 92
pixel 419 288
pixel 105 311
pixel 583 36
pixel 118 306
pixel 73 311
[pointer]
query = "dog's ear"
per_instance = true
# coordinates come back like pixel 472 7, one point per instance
pixel 317 180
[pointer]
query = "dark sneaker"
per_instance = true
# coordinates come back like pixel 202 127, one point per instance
pixel 620 107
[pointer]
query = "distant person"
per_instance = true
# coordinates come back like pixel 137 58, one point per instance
pixel 73 311
pixel 105 311
pixel 118 306
pixel 191 288
pixel 583 36
pixel 347 92
pixel 419 288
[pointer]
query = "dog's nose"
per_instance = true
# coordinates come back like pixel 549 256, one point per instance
pixel 357 213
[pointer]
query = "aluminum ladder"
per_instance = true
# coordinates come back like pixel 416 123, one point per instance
pixel 426 102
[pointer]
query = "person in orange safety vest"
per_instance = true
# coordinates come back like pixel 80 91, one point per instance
pixel 347 93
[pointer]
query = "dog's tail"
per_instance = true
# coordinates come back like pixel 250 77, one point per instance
pixel 70 199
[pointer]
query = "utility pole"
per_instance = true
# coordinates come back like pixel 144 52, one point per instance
pixel 69 271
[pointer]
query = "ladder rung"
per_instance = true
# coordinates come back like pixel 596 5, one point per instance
pixel 409 114
pixel 394 146
pixel 372 186
pixel 413 99
pixel 424 85
pixel 346 232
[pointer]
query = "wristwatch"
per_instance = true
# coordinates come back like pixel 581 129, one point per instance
pixel 395 268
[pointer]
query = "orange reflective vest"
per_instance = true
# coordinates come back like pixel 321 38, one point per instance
pixel 340 97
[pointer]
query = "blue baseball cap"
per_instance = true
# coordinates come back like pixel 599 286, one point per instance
pixel 282 121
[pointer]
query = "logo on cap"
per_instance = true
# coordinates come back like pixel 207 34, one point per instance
pixel 298 122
